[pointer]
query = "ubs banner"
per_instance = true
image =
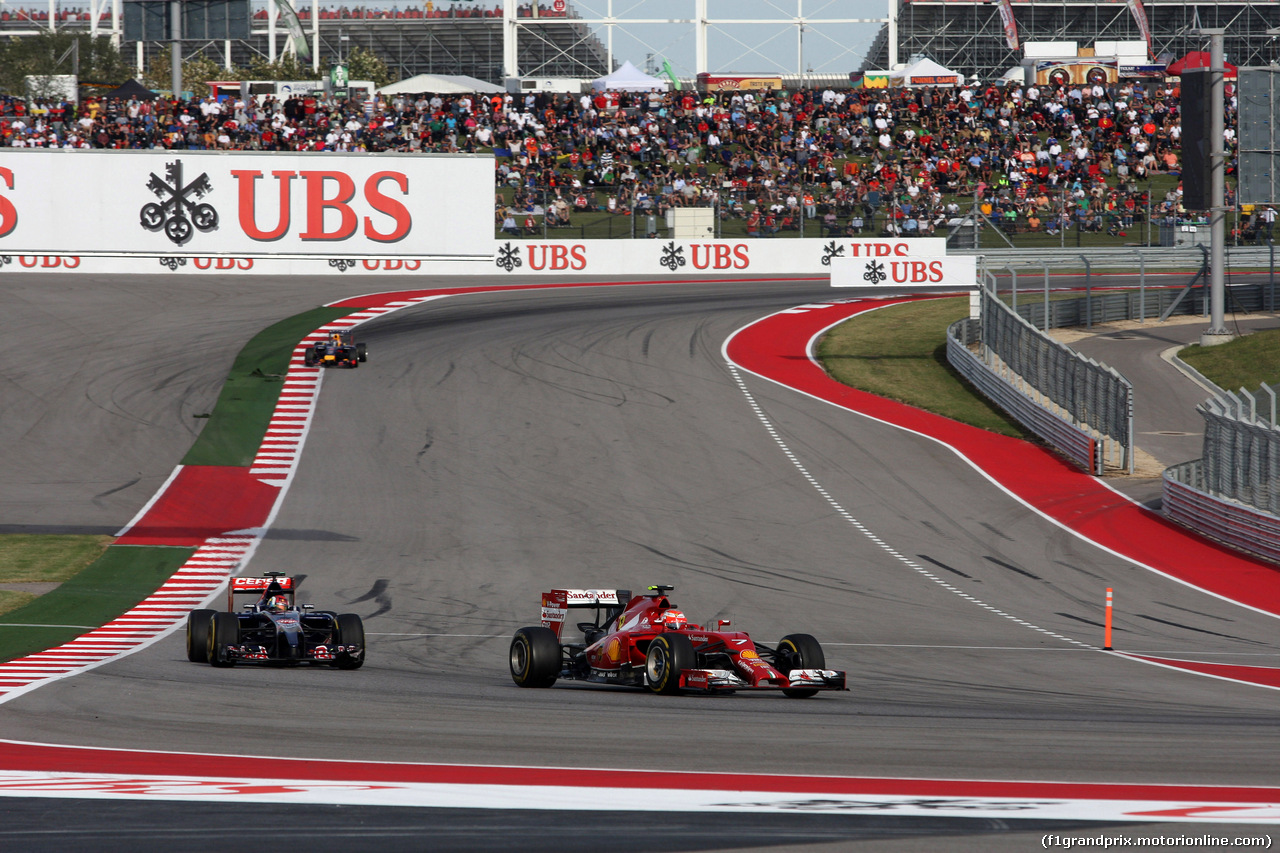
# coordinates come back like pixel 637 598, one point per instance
pixel 69 203
pixel 906 273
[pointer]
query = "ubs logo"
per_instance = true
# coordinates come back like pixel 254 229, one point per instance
pixel 176 214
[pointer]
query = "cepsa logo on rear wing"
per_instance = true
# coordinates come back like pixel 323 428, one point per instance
pixel 557 603
pixel 257 586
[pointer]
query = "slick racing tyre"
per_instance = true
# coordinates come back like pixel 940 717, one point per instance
pixel 198 622
pixel 309 357
pixel 361 352
pixel 224 631
pixel 668 656
pixel 350 633
pixel 799 651
pixel 535 657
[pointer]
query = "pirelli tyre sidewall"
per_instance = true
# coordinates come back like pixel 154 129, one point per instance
pixel 803 652
pixel 350 633
pixel 667 657
pixel 224 631
pixel 535 657
pixel 198 623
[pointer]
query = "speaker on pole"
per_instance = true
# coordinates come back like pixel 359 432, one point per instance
pixel 1196 144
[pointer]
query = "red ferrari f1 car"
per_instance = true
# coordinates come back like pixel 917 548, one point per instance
pixel 646 642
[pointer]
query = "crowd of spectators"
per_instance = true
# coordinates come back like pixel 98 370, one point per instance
pixel 860 161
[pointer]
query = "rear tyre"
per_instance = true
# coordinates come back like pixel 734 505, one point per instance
pixel 350 633
pixel 361 352
pixel 224 631
pixel 799 651
pixel 198 635
pixel 535 657
pixel 668 656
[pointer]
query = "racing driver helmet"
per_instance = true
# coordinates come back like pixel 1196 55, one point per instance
pixel 672 620
pixel 277 604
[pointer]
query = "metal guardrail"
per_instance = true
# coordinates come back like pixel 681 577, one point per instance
pixel 1090 395
pixel 1076 443
pixel 1242 448
pixel 1128 258
pixel 1188 502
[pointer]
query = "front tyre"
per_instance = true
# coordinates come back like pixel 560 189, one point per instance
pixel 350 633
pixel 535 657
pixel 799 651
pixel 198 622
pixel 668 656
pixel 224 631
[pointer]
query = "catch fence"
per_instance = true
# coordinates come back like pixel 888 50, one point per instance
pixel 1082 407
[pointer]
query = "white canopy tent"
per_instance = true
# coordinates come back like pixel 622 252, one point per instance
pixel 440 84
pixel 628 78
pixel 924 72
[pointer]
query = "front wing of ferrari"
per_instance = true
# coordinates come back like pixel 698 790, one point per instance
pixel 727 679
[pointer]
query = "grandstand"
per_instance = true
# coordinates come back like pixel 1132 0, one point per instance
pixel 455 39
pixel 967 35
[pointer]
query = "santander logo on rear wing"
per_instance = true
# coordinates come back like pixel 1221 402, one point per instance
pixel 557 603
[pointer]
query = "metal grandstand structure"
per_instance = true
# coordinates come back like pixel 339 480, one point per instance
pixel 503 39
pixel 551 38
pixel 453 39
pixel 968 37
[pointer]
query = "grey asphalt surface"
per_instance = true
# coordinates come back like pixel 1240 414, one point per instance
pixel 1166 424
pixel 495 446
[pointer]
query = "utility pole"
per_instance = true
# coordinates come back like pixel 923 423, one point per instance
pixel 175 52
pixel 1217 332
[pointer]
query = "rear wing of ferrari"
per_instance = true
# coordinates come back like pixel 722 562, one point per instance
pixel 277 582
pixel 557 603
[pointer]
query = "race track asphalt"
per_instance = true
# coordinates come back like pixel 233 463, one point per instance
pixel 498 445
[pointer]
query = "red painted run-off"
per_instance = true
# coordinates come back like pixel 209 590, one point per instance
pixel 1266 675
pixel 773 348
pixel 374 300
pixel 16 756
pixel 203 501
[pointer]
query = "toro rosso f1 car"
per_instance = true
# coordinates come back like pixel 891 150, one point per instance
pixel 338 349
pixel 643 641
pixel 273 629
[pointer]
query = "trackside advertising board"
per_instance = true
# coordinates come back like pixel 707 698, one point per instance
pixel 533 257
pixel 906 274
pixel 71 202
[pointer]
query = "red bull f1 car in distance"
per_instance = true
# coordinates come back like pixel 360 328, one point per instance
pixel 274 629
pixel 338 349
pixel 644 641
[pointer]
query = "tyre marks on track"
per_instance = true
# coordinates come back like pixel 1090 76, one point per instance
pixel 1057 491
pixel 221 511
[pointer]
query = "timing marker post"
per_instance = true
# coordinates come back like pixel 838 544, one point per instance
pixel 1106 640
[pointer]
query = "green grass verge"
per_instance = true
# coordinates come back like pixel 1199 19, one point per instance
pixel 47 558
pixel 248 398
pixel 900 352
pixel 41 558
pixel 12 599
pixel 1246 362
pixel 116 581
